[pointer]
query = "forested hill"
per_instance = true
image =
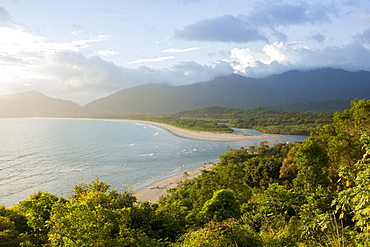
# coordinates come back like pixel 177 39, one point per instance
pixel 264 120
pixel 327 105
pixel 239 92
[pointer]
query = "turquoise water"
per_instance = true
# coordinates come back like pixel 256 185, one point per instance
pixel 55 154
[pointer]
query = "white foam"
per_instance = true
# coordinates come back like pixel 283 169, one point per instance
pixel 143 155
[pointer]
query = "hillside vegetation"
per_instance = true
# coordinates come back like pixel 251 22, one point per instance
pixel 264 120
pixel 326 105
pixel 221 119
pixel 313 193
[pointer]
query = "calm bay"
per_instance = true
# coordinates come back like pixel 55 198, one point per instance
pixel 53 155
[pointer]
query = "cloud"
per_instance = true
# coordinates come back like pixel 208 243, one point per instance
pixel 177 50
pixel 103 78
pixel 192 72
pixel 73 76
pixel 4 15
pixel 221 29
pixel 364 18
pixel 68 75
pixel 182 73
pixel 318 37
pixel 47 65
pixel 285 14
pixel 11 60
pixel 363 37
pixel 349 57
pixel 185 2
pixel 151 60
pixel 246 58
pixel 106 53
pixel 106 10
pixel 83 79
pixel 72 71
pixel 278 35
pixel 16 41
pixel 250 27
pixel 280 57
pixel 29 47
pixel 76 70
pixel 69 70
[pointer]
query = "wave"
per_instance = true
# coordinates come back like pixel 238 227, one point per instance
pixel 146 155
pixel 190 151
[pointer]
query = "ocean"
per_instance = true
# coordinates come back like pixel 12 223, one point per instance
pixel 54 155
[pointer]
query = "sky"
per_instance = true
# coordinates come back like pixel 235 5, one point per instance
pixel 87 49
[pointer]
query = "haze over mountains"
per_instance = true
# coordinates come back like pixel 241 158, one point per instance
pixel 303 88
pixel 35 104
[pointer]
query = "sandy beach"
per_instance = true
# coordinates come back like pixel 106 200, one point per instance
pixel 158 188
pixel 199 135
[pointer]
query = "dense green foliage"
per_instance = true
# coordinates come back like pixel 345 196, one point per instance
pixel 214 118
pixel 268 121
pixel 314 193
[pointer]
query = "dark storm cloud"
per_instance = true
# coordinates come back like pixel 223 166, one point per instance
pixel 221 29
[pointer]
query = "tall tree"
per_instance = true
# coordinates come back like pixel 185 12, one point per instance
pixel 312 162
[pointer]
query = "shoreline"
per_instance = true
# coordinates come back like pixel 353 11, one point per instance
pixel 153 191
pixel 192 134
pixel 202 135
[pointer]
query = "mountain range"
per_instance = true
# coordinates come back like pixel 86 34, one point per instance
pixel 321 89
